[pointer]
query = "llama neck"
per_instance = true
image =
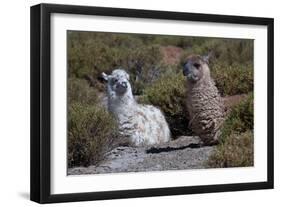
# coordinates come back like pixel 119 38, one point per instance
pixel 120 104
pixel 205 89
pixel 203 84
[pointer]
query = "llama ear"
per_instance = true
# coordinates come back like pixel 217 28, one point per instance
pixel 206 58
pixel 104 76
pixel 128 76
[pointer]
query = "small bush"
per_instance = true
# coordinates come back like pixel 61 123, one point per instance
pixel 232 80
pixel 91 133
pixel 169 94
pixel 78 90
pixel 236 151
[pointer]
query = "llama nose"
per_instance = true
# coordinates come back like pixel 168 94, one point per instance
pixel 124 84
pixel 186 69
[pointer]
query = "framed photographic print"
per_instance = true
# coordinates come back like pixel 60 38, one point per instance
pixel 132 103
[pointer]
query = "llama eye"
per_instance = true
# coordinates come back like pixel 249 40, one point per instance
pixel 196 65
pixel 114 80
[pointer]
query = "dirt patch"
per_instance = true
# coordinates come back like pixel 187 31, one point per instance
pixel 171 55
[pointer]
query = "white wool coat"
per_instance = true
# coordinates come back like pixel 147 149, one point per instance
pixel 142 124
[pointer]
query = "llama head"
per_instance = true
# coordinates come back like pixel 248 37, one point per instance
pixel 118 81
pixel 196 68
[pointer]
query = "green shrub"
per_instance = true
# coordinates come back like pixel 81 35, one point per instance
pixel 179 41
pixel 236 151
pixel 91 133
pixel 78 90
pixel 233 79
pixel 240 119
pixel 144 64
pixel 233 51
pixel 227 51
pixel 90 56
pixel 236 140
pixel 169 94
pixel 93 53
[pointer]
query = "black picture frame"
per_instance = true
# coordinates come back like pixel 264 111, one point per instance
pixel 41 98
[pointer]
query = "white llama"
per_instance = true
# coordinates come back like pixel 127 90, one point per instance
pixel 142 124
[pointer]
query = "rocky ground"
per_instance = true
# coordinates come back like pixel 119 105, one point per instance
pixel 182 153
